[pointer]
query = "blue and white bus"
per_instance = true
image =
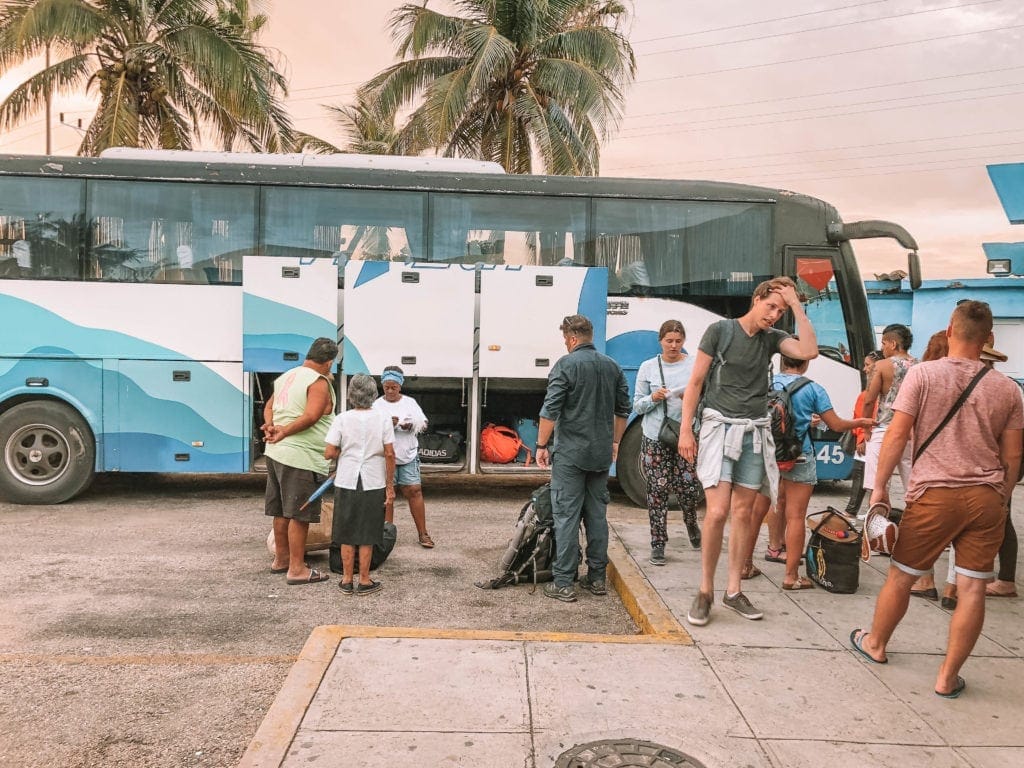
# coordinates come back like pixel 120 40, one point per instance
pixel 148 299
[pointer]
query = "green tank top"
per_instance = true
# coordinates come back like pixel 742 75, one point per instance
pixel 305 449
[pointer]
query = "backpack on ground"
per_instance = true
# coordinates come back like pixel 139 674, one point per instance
pixel 378 554
pixel 531 549
pixel 500 444
pixel 788 444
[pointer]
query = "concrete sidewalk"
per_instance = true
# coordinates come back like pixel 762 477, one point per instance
pixel 784 691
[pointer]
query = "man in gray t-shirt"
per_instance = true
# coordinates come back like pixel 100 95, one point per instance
pixel 735 436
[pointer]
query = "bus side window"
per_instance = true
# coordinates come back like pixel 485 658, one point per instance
pixel 816 283
pixel 40 230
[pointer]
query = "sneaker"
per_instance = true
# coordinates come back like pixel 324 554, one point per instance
pixel 742 606
pixel 594 586
pixel 565 594
pixel 347 589
pixel 657 556
pixel 369 589
pixel 700 610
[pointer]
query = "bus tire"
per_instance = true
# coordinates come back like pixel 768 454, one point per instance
pixel 629 466
pixel 48 453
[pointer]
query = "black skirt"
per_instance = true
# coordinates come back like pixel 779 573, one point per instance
pixel 358 516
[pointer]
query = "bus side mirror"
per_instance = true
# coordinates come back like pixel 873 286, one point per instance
pixel 914 268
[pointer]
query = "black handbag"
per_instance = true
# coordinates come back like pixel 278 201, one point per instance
pixel 668 435
pixel 833 552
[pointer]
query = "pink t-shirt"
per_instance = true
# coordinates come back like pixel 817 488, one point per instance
pixel 966 451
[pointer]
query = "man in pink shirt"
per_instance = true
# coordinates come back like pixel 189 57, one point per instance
pixel 960 484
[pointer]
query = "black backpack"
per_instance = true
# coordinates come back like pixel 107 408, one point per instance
pixel 788 444
pixel 531 549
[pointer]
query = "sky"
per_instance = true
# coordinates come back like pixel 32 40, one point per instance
pixel 887 110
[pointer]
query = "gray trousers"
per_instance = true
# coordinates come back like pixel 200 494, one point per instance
pixel 577 493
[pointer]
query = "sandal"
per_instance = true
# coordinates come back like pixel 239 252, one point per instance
pixel 775 555
pixel 750 571
pixel 314 577
pixel 800 583
pixel 425 541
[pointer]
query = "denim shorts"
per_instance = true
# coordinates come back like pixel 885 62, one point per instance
pixel 804 471
pixel 408 474
pixel 746 471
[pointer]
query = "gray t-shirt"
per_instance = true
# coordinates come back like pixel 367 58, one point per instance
pixel 740 390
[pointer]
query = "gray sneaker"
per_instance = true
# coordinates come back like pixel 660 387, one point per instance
pixel 594 586
pixel 657 556
pixel 700 611
pixel 565 594
pixel 742 606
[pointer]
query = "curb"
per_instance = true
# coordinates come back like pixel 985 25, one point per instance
pixel 269 747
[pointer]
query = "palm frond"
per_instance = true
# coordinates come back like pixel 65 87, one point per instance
pixel 306 142
pixel 418 30
pixel 30 97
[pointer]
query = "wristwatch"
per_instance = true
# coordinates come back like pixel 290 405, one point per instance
pixel 540 447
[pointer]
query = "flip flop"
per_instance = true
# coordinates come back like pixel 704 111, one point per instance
pixel 857 640
pixel 800 583
pixel 1000 594
pixel 313 578
pixel 927 594
pixel 279 570
pixel 957 689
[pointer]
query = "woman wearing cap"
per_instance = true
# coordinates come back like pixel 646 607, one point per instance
pixel 408 420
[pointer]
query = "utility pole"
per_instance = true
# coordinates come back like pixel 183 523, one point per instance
pixel 49 105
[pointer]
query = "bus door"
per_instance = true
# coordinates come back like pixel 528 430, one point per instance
pixel 287 303
pixel 417 315
pixel 825 286
pixel 521 309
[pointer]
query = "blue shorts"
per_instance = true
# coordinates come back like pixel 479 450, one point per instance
pixel 408 474
pixel 804 471
pixel 746 471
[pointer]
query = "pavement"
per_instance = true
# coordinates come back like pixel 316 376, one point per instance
pixel 783 691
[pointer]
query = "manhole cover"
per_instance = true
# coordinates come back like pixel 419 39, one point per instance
pixel 625 753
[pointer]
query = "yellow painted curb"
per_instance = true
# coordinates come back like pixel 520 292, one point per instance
pixel 269 747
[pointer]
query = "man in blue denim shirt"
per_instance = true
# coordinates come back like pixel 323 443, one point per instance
pixel 588 399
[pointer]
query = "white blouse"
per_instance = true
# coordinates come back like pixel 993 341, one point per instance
pixel 361 435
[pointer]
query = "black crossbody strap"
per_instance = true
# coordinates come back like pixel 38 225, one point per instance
pixel 664 403
pixel 952 411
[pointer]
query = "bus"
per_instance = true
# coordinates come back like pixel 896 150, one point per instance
pixel 148 299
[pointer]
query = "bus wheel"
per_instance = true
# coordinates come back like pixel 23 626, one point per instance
pixel 629 466
pixel 49 454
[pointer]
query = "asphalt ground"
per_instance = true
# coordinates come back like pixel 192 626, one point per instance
pixel 139 623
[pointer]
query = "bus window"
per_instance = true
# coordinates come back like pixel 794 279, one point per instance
pixel 363 225
pixel 166 232
pixel 508 229
pixel 710 253
pixel 816 283
pixel 40 228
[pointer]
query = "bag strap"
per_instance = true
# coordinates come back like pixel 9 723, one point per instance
pixel 664 402
pixel 952 411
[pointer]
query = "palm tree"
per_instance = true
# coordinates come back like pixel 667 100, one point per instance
pixel 367 130
pixel 166 72
pixel 510 79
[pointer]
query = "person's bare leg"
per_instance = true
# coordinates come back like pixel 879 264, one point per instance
pixel 742 502
pixel 798 496
pixel 757 515
pixel 365 555
pixel 280 543
pixel 777 523
pixel 389 511
pixel 964 629
pixel 716 514
pixel 927 581
pixel 348 561
pixel 890 609
pixel 297 531
pixel 417 507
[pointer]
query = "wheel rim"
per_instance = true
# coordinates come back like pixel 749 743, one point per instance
pixel 37 454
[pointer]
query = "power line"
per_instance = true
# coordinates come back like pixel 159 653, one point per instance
pixel 321 96
pixel 821 117
pixel 758 23
pixel 829 55
pixel 973 166
pixel 829 92
pixel 326 85
pixel 819 29
pixel 824 149
pixel 845 104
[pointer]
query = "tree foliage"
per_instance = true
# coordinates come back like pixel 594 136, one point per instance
pixel 165 71
pixel 509 81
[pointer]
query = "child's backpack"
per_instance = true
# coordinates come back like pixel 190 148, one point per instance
pixel 788 444
pixel 500 444
pixel 531 549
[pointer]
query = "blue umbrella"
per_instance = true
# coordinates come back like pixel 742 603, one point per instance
pixel 318 492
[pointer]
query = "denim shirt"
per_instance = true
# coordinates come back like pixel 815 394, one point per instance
pixel 586 390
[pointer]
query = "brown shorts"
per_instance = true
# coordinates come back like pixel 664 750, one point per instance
pixel 971 518
pixel 287 490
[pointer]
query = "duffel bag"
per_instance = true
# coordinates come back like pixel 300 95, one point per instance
pixel 439 447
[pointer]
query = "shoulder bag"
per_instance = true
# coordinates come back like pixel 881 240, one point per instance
pixel 669 433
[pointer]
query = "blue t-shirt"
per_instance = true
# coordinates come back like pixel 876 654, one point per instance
pixel 809 399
